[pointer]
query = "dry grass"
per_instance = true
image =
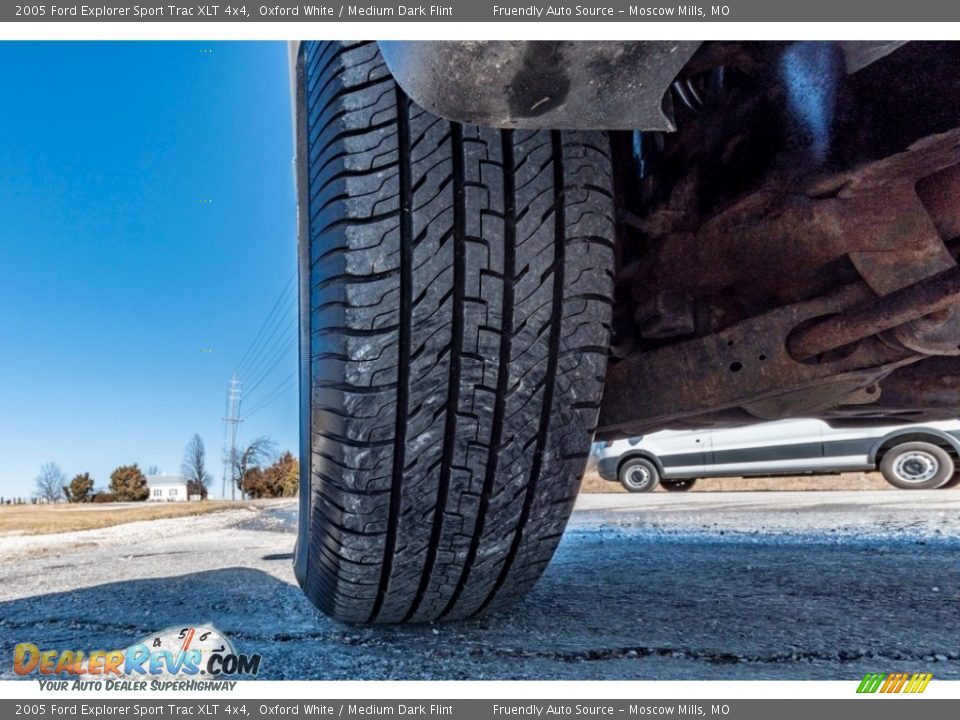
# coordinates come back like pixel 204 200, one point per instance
pixel 42 519
pixel 593 483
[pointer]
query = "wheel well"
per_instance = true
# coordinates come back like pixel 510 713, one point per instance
pixel 645 456
pixel 937 440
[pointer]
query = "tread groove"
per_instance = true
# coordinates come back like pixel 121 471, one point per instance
pixel 503 365
pixel 546 409
pixel 403 361
pixel 456 350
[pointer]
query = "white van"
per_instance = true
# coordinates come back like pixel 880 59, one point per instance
pixel 909 456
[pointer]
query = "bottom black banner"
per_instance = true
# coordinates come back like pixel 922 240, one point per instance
pixel 874 707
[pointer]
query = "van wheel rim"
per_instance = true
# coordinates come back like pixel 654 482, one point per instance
pixel 916 467
pixel 638 476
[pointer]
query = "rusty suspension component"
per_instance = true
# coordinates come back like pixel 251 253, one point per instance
pixel 758 282
pixel 927 297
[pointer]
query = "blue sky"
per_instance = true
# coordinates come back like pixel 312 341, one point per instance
pixel 147 227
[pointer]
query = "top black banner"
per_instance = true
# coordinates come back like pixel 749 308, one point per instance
pixel 485 11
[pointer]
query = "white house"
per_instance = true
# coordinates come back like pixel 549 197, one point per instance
pixel 167 488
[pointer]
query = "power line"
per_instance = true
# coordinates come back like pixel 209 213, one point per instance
pixel 279 337
pixel 268 348
pixel 280 302
pixel 268 344
pixel 277 305
pixel 284 346
pixel 279 340
pixel 223 449
pixel 275 394
pixel 232 420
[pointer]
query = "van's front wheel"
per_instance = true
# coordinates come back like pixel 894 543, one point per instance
pixel 639 475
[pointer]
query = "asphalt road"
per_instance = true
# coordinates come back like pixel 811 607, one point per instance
pixel 825 585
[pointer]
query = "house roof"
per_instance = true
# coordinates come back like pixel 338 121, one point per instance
pixel 165 480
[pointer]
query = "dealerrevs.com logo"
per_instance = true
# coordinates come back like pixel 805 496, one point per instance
pixel 181 658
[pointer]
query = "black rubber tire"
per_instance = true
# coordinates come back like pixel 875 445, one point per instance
pixel 628 473
pixel 678 485
pixel 951 483
pixel 944 465
pixel 459 323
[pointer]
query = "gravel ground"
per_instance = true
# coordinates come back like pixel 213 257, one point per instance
pixel 699 586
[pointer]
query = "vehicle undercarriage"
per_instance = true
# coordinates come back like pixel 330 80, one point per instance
pixel 791 249
pixel 509 248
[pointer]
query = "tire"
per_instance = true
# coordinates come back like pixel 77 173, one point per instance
pixel 917 466
pixel 952 482
pixel 678 485
pixel 460 283
pixel 639 475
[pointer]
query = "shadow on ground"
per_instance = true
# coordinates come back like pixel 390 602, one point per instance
pixel 613 605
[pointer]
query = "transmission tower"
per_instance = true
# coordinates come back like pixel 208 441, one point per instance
pixel 232 421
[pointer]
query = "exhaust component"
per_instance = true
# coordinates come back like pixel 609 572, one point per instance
pixel 933 295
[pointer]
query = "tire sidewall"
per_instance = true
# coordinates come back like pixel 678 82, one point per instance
pixel 952 482
pixel 892 465
pixel 639 475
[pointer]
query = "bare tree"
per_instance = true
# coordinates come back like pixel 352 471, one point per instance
pixel 153 470
pixel 194 467
pixel 49 484
pixel 256 453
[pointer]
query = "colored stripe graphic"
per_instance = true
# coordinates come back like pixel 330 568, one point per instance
pixel 870 683
pixel 894 683
pixel 918 683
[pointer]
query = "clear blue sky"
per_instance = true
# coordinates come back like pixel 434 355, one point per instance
pixel 147 227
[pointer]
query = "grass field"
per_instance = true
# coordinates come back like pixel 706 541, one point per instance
pixel 41 519
pixel 593 483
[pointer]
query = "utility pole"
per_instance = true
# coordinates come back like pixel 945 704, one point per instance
pixel 232 421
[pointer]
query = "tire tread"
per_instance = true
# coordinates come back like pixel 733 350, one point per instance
pixel 460 307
